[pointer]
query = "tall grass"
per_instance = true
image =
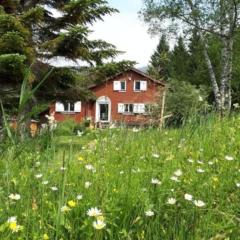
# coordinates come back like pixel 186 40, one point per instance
pixel 122 165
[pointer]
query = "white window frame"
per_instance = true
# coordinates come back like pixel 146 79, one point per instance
pixel 134 87
pixel 125 83
pixel 128 112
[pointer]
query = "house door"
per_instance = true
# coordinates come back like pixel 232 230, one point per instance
pixel 104 108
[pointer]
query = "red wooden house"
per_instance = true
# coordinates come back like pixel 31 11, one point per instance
pixel 126 97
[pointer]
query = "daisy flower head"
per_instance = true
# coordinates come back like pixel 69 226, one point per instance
pixel 94 212
pixel 87 184
pixel 229 158
pixel 99 224
pixel 175 179
pixel 54 189
pixel 65 209
pixel 188 197
pixel 178 173
pixel 199 203
pixel 155 181
pixel 15 196
pixel 155 155
pixel 79 197
pixel 200 170
pixel 171 201
pixel 38 176
pixel 149 213
pixel 238 185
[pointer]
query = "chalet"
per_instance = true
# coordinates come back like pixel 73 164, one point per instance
pixel 126 97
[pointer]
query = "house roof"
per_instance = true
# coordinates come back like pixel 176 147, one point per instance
pixel 133 70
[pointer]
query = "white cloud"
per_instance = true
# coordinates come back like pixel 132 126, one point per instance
pixel 128 33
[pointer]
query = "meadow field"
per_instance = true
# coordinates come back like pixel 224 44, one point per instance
pixel 124 184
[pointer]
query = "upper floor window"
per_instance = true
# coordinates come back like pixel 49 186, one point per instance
pixel 120 86
pixel 140 85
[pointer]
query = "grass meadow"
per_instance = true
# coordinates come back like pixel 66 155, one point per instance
pixel 124 184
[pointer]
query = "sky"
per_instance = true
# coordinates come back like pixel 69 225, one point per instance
pixel 127 32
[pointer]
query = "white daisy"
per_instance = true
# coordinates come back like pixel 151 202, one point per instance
pixel 155 155
pixel 199 203
pixel 94 212
pixel 54 188
pixel 171 201
pixel 79 197
pixel 229 158
pixel 65 209
pixel 155 181
pixel 175 179
pixel 15 196
pixel 87 184
pixel 99 224
pixel 188 197
pixel 190 160
pixel 200 170
pixel 178 173
pixel 238 185
pixel 210 163
pixel 38 176
pixel 149 213
pixel 12 219
pixel 45 182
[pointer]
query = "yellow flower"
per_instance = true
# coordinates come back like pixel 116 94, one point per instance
pixel 80 158
pixel 215 179
pixel 13 226
pixel 45 237
pixel 72 204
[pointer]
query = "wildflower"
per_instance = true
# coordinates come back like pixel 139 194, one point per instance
pixel 65 209
pixel 37 164
pixel 155 155
pixel 89 167
pixel 13 226
pixel 188 197
pixel 178 173
pixel 99 224
pixel 215 179
pixel 87 184
pixel 135 130
pixel 200 170
pixel 121 172
pixel 171 201
pixel 45 182
pixel 174 178
pixel 63 168
pixel 238 185
pixel 229 158
pixel 190 160
pixel 79 197
pixel 94 212
pixel 45 236
pixel 72 204
pixel 149 213
pixel 199 203
pixel 210 163
pixel 15 196
pixel 54 188
pixel 236 105
pixel 80 159
pixel 155 181
pixel 200 162
pixel 38 176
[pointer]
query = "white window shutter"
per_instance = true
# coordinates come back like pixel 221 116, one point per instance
pixel 120 108
pixel 141 108
pixel 143 85
pixel 59 107
pixel 116 86
pixel 77 107
pixel 135 108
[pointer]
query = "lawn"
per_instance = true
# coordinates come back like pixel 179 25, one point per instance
pixel 124 184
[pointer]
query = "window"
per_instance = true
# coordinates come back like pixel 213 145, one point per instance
pixel 140 85
pixel 123 86
pixel 137 86
pixel 128 108
pixel 68 107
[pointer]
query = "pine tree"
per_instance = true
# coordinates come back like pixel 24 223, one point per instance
pixel 160 60
pixel 31 33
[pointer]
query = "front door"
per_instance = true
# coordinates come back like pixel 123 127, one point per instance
pixel 104 108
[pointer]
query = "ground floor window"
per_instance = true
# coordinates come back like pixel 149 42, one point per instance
pixel 68 107
pixel 128 108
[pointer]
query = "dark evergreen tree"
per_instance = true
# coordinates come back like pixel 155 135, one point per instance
pixel 160 60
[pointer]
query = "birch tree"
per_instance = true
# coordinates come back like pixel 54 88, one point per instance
pixel 208 17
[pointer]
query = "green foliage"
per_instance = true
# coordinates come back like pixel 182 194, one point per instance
pixel 184 101
pixel 199 160
pixel 12 68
